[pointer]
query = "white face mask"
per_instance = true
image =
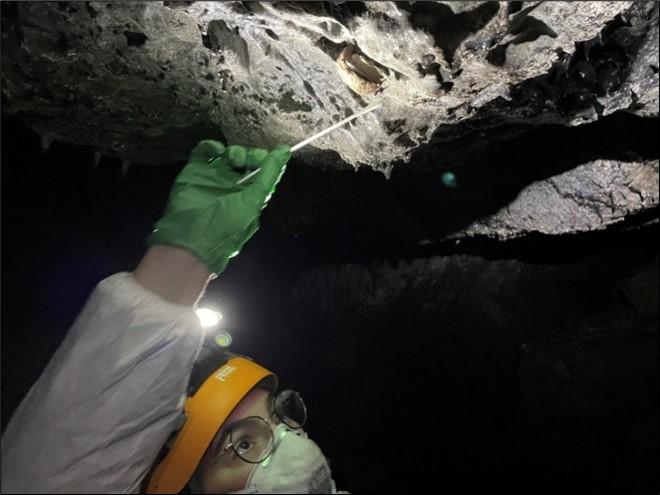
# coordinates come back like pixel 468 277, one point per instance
pixel 296 466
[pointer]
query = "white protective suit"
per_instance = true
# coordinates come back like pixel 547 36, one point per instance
pixel 107 401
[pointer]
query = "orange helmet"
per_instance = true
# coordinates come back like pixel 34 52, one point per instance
pixel 213 394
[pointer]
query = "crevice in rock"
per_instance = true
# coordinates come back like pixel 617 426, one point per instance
pixel 428 65
pixel 220 37
pixel 334 50
pixel 536 247
pixel 449 30
pixel 350 213
pixel 596 68
pixel 345 11
pixel 135 38
pixel 341 11
pixel 272 34
pixel 330 48
pixel 526 28
pixel 178 4
pixel 358 71
pixel 513 7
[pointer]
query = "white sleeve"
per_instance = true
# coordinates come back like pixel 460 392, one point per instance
pixel 107 401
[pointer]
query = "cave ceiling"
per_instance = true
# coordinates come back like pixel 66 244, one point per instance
pixel 144 81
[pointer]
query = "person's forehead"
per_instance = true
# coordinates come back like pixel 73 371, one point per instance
pixel 256 399
pixel 255 403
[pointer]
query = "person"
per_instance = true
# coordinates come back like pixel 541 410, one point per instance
pixel 133 399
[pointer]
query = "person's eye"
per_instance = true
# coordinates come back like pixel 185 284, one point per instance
pixel 243 446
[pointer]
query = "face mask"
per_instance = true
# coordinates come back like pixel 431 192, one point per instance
pixel 296 466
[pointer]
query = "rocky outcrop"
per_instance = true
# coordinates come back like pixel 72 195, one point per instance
pixel 145 80
pixel 589 197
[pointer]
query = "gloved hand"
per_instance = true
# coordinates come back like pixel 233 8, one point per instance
pixel 211 215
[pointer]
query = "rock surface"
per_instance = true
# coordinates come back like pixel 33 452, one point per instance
pixel 144 80
pixel 590 197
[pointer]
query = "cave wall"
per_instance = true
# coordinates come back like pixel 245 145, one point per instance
pixel 538 375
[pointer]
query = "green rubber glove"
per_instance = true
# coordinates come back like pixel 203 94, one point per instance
pixel 211 215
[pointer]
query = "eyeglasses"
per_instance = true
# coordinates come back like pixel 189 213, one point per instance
pixel 252 438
